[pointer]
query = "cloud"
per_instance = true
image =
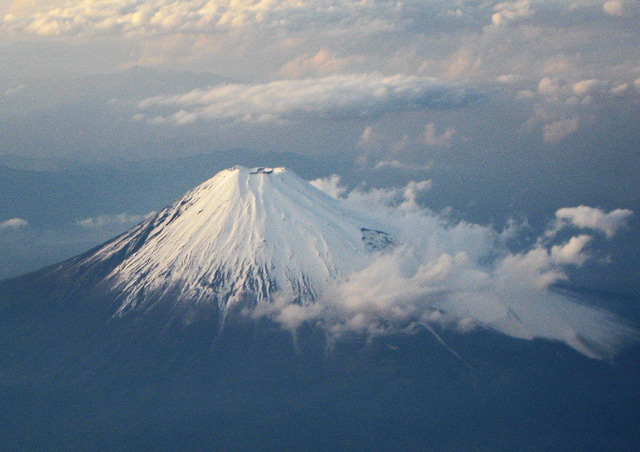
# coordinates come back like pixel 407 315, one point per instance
pixel 404 198
pixel 560 129
pixel 462 64
pixel 564 91
pixel 14 90
pixel 330 185
pixel 563 105
pixel 431 138
pixel 102 221
pixel 509 79
pixel 367 137
pixel 322 63
pixel 401 199
pixel 263 39
pixel 340 96
pixel 448 274
pixel 619 89
pixel 370 139
pixel 549 86
pixel 589 87
pixel 13 223
pixel 592 218
pixel 396 164
pixel 613 8
pixel 201 16
pixel 510 11
pixel 571 252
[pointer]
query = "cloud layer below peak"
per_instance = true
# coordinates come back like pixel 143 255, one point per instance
pixel 448 274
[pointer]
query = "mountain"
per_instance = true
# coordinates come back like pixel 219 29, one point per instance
pixel 241 236
pixel 263 243
pixel 121 348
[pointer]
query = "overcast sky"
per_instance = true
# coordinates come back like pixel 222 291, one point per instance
pixel 381 78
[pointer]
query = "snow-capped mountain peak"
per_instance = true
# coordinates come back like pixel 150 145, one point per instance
pixel 245 233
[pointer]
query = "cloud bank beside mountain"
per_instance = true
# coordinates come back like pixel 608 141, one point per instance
pixel 454 274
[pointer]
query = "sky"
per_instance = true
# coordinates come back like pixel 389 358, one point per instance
pixel 389 79
pixel 525 106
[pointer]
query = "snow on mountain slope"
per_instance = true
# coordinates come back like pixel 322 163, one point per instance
pixel 274 246
pixel 243 233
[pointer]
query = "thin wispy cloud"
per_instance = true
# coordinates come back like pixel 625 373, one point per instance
pixel 122 219
pixel 13 223
pixel 396 164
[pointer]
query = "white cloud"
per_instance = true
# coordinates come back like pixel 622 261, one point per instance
pixel 534 269
pixel 323 62
pixel 412 191
pixel 14 90
pixel 211 16
pixel 560 129
pixel 404 198
pixel 619 89
pixel 354 95
pixel 102 221
pixel 558 65
pixel 13 223
pixel 509 79
pixel 567 92
pixel 457 275
pixel 382 164
pixel 510 11
pixel 319 37
pixel 290 315
pixel 431 138
pixel 589 87
pixel 564 105
pixel 571 252
pixel 525 94
pixel 462 64
pixel 613 8
pixel 330 185
pixel 370 139
pixel 592 218
pixel 401 144
pixel 264 39
pixel 548 86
